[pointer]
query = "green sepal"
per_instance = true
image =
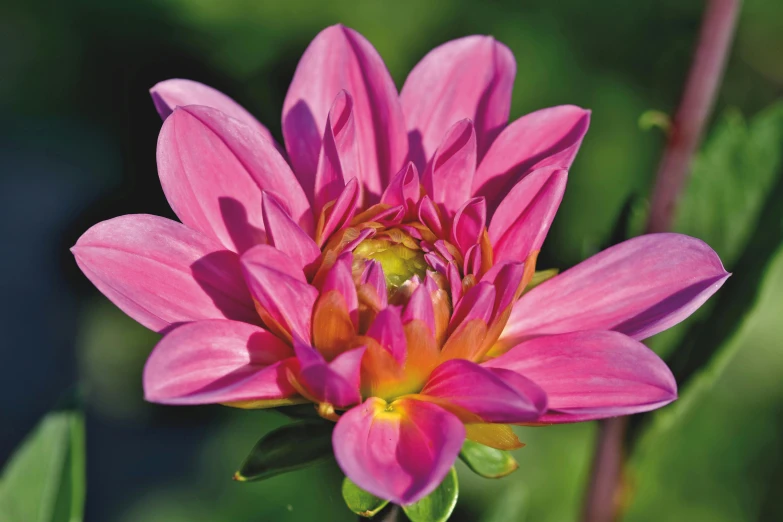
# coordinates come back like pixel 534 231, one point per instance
pixel 438 505
pixel 361 502
pixel 487 462
pixel 285 449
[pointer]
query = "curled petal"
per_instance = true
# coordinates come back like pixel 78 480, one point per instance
pixel 373 277
pixel 469 222
pixel 448 176
pixel 639 287
pixel 337 215
pixel 341 59
pixel 162 273
pixel 217 361
pixel 591 375
pixel 404 189
pixel 471 77
pixel 430 216
pixel 399 451
pixel 337 163
pixel 549 137
pixel 213 169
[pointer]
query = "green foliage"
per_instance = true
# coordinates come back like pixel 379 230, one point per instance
pixel 288 448
pixel 45 480
pixel 360 502
pixel 487 462
pixel 438 505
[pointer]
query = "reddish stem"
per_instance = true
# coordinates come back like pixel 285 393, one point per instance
pixel 603 501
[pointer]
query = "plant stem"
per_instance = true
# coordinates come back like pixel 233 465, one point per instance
pixel 603 501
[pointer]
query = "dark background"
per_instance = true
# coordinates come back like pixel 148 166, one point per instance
pixel 77 145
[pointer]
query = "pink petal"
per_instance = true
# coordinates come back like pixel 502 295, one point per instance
pixel 161 273
pixel 471 77
pixel 549 137
pixel 217 361
pixel 429 215
pixel 523 218
pixel 280 289
pixel 213 169
pixel 387 330
pixel 420 307
pixel 404 189
pixel 285 235
pixel 336 382
pixel 477 303
pixel 337 163
pixel 170 94
pixel 469 222
pixel 341 59
pixel 448 176
pixel 639 287
pixel 340 279
pixel 373 276
pixel 506 278
pixel 400 455
pixel 495 396
pixel 591 375
pixel 343 210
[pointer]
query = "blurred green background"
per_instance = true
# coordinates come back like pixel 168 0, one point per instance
pixel 78 146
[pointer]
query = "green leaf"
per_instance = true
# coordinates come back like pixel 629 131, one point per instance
pixel 359 501
pixel 438 505
pixel 44 481
pixel 487 462
pixel 288 448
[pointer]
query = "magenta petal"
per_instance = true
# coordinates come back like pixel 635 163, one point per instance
pixel 549 137
pixel 336 382
pixel 285 235
pixel 340 279
pixel 213 169
pixel 469 222
pixel 448 176
pixel 337 163
pixel 170 94
pixel 591 375
pixel 387 330
pixel 471 77
pixel 506 278
pixel 420 307
pixel 429 216
pixel 161 273
pixel 639 287
pixel 400 455
pixel 404 189
pixel 477 303
pixel 341 59
pixel 373 276
pixel 485 392
pixel 343 210
pixel 217 361
pixel 523 218
pixel 280 289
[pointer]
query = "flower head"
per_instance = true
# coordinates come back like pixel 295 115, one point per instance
pixel 385 271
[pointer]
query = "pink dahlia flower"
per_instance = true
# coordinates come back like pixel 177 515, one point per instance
pixel 383 269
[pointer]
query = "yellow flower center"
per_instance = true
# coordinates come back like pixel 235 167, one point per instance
pixel 398 254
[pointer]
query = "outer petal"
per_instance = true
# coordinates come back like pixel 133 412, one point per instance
pixel 281 291
pixel 170 94
pixel 549 137
pixel 494 395
pixel 217 361
pixel 639 287
pixel 523 218
pixel 340 58
pixel 213 169
pixel 162 273
pixel 471 77
pixel 448 176
pixel 400 452
pixel 591 375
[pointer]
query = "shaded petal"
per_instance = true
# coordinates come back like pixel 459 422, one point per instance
pixel 288 237
pixel 429 215
pixel 340 279
pixel 404 189
pixel 400 452
pixel 340 58
pixel 281 291
pixel 217 361
pixel 477 303
pixel 549 137
pixel 387 330
pixel 336 382
pixel 170 94
pixel 341 212
pixel 420 307
pixel 161 273
pixel 522 220
pixel 469 222
pixel 373 277
pixel 213 169
pixel 592 375
pixel 448 176
pixel 471 77
pixel 639 287
pixel 494 395
pixel 337 163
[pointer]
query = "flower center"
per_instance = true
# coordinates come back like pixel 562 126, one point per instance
pixel 399 255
